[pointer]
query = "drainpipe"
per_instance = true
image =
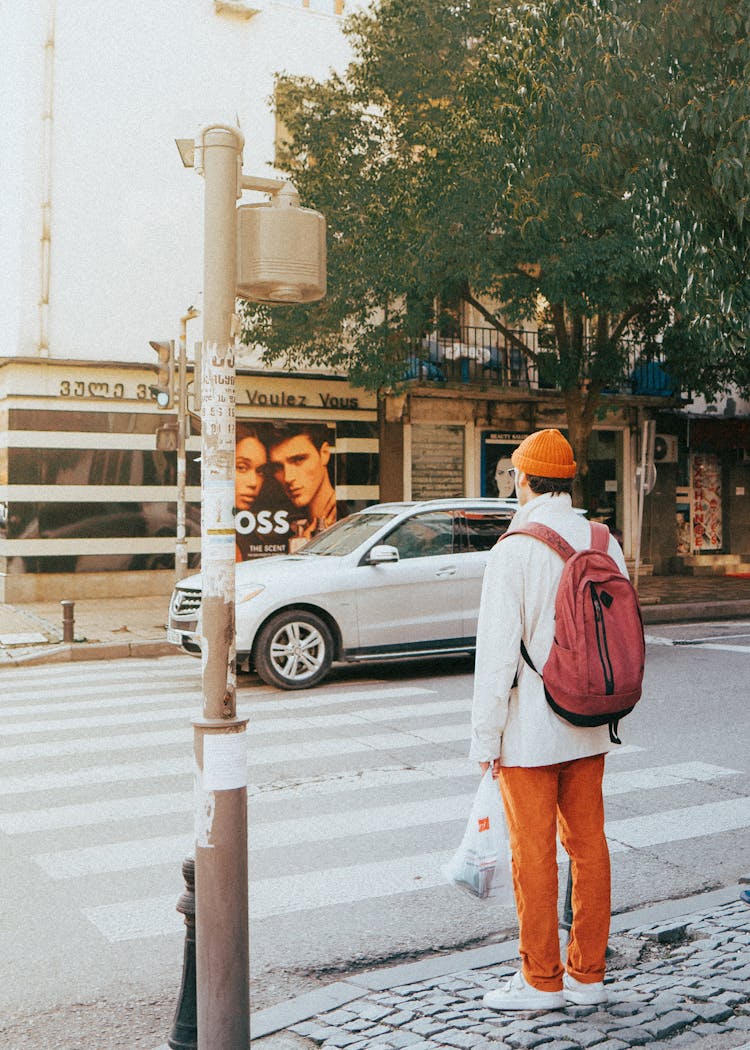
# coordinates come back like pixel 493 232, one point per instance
pixel 45 243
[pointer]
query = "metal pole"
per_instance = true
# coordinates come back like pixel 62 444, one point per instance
pixel 647 437
pixel 221 876
pixel 181 552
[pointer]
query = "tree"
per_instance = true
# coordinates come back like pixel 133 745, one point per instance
pixel 696 193
pixel 497 153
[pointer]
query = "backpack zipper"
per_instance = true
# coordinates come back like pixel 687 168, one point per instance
pixel 601 641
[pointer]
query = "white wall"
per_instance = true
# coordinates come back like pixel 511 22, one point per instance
pixel 130 77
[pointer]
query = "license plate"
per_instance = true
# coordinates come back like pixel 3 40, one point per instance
pixel 174 636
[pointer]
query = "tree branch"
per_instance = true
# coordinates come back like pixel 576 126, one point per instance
pixel 625 320
pixel 509 334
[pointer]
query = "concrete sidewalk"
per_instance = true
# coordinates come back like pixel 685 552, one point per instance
pixel 104 629
pixel 112 628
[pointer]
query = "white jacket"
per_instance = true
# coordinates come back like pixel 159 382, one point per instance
pixel 518 600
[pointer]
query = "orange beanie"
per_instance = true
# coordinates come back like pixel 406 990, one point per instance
pixel 545 454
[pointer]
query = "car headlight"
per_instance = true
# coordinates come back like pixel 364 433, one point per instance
pixel 250 590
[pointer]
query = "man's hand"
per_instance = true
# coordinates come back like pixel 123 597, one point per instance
pixel 484 766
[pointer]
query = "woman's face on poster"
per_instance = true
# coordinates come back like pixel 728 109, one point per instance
pixel 504 481
pixel 250 458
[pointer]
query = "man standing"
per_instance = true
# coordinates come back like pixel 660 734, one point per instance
pixel 298 456
pixel 549 771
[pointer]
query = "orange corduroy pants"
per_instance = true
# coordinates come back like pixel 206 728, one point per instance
pixel 541 801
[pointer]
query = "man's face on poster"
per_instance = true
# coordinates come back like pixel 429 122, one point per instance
pixel 300 467
pixel 250 458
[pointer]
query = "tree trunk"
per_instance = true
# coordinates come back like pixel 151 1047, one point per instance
pixel 580 408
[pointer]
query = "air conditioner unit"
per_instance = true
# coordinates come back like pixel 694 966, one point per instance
pixel 665 448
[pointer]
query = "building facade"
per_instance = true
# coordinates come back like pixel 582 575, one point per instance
pixel 102 252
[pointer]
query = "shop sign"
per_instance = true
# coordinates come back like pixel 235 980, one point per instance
pixel 706 520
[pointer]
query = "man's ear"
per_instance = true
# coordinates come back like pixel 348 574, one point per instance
pixel 325 453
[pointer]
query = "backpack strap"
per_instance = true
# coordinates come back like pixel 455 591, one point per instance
pixel 554 540
pixel 599 536
pixel 547 535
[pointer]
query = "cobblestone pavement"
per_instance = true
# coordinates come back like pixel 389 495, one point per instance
pixel 680 983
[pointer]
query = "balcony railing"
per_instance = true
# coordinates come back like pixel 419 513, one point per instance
pixel 486 357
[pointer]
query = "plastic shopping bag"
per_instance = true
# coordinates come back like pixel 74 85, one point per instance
pixel 481 864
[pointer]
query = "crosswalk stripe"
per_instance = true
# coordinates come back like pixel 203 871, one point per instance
pixel 131 920
pixel 256 726
pixel 54 725
pixel 136 920
pixel 89 745
pixel 652 777
pixel 313 701
pixel 130 697
pixel 674 825
pixel 37 678
pixel 116 856
pixel 393 739
pixel 359 718
pixel 296 831
pixel 124 698
pixel 299 750
pixel 112 773
pixel 333 887
pixel 711 638
pixel 86 814
pixel 51 780
pixel 724 648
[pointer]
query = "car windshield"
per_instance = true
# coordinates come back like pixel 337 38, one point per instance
pixel 347 534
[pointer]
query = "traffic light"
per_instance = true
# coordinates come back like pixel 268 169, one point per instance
pixel 163 388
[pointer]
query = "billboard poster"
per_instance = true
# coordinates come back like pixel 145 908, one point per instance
pixel 705 480
pixel 285 485
pixel 497 449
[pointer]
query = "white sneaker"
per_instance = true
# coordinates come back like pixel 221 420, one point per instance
pixel 518 994
pixel 583 994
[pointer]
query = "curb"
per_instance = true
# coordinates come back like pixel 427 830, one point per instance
pixel 276 1018
pixel 677 612
pixel 73 652
pixel 683 611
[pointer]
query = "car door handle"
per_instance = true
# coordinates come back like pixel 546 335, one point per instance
pixel 450 570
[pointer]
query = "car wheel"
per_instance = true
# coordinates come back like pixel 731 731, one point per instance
pixel 294 650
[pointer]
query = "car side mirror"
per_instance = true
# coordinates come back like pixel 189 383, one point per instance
pixel 382 553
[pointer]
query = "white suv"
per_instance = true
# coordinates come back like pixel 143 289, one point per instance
pixel 393 580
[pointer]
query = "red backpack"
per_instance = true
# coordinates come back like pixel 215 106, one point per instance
pixel 594 673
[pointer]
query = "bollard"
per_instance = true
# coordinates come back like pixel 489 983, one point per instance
pixel 184 1034
pixel 68 620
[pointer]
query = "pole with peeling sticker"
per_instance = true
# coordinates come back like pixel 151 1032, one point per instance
pixel 280 258
pixel 221 874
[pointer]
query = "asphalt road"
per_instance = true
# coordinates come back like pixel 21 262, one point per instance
pixel 358 790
